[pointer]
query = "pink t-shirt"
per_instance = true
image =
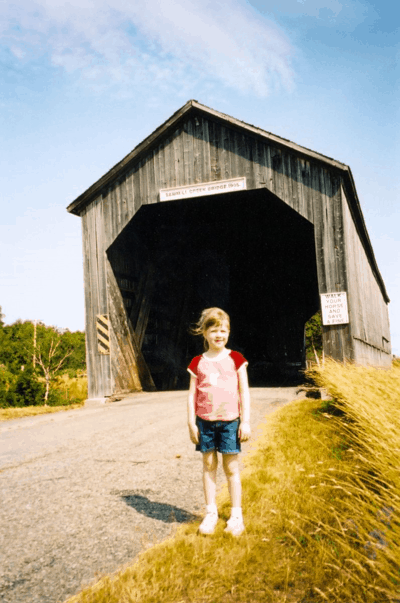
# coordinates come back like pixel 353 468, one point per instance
pixel 217 392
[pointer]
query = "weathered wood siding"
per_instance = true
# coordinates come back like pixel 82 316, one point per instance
pixel 330 254
pixel 96 298
pixel 204 153
pixel 203 149
pixel 368 311
pixel 124 368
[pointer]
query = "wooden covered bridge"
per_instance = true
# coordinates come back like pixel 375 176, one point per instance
pixel 210 211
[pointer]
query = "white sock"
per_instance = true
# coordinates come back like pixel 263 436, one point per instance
pixel 236 512
pixel 212 508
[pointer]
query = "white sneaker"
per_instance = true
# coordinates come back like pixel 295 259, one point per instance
pixel 209 523
pixel 235 526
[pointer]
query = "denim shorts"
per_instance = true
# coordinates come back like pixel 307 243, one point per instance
pixel 222 436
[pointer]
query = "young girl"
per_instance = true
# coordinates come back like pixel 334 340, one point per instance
pixel 219 414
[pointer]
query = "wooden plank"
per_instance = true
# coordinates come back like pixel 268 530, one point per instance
pixel 112 205
pixel 100 256
pixel 136 189
pixel 96 295
pixel 144 193
pixel 149 180
pixel 198 149
pixel 130 200
pixel 106 220
pixel 276 156
pixel 91 310
pixel 152 196
pixel 92 388
pixel 292 183
pixel 242 156
pixel 206 156
pixel 145 306
pixel 232 154
pixel 103 362
pixel 186 142
pixel 188 152
pixel 253 182
pixel 134 203
pixel 153 188
pixel 319 227
pixel 161 155
pixel 156 172
pixel 129 368
pixel 224 158
pixel 267 176
pixel 169 176
pixel 125 214
pixel 176 163
pixel 235 150
pixel 286 183
pixel 246 151
pixel 305 202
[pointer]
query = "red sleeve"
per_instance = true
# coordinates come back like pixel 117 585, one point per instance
pixel 192 368
pixel 238 359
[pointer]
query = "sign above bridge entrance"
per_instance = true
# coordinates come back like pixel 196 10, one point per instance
pixel 203 189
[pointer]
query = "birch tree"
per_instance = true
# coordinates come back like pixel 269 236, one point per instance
pixel 50 358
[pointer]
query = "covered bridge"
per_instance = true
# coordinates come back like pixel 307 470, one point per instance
pixel 210 211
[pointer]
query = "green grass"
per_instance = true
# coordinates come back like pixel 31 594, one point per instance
pixel 323 478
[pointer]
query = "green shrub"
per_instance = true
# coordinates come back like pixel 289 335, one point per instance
pixel 7 379
pixel 26 391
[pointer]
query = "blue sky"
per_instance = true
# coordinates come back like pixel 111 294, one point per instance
pixel 84 81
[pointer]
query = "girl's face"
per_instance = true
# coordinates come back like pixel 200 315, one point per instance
pixel 217 336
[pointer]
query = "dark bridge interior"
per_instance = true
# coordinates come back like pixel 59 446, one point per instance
pixel 248 253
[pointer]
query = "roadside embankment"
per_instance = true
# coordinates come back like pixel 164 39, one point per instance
pixel 321 504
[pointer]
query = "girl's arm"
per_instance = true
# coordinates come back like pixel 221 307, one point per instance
pixel 193 429
pixel 244 429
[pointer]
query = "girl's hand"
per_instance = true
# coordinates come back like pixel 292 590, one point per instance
pixel 194 433
pixel 244 432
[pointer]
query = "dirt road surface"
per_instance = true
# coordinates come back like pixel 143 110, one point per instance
pixel 82 492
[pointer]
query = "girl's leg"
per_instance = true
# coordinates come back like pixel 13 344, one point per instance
pixel 210 464
pixel 235 525
pixel 231 468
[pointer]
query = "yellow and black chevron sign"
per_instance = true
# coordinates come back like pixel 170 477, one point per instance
pixel 103 333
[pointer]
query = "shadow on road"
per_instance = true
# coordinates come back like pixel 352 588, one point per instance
pixel 155 510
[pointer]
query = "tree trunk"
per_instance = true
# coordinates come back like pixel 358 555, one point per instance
pixel 46 394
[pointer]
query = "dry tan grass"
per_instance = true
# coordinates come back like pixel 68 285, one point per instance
pixel 6 414
pixel 321 505
pixel 74 388
pixel 367 521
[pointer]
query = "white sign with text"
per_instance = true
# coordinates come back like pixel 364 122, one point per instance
pixel 204 189
pixel 334 308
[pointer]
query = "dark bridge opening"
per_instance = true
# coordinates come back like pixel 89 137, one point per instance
pixel 248 253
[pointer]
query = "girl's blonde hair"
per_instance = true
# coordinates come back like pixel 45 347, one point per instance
pixel 209 318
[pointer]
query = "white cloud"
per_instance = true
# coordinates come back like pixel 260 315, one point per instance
pixel 157 41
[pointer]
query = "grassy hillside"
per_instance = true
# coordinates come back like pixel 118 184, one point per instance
pixel 321 505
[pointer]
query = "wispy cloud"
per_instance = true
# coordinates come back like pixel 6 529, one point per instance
pixel 162 42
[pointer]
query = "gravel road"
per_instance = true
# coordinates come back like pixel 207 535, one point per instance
pixel 84 491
